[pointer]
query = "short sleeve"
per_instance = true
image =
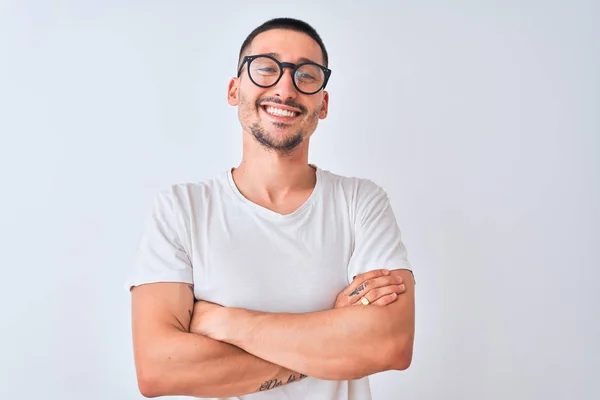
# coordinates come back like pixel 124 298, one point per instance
pixel 377 242
pixel 160 257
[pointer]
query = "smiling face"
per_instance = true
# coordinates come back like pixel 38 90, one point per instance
pixel 280 117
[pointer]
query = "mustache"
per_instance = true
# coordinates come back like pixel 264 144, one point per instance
pixel 277 100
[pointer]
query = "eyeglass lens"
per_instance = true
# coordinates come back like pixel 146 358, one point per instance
pixel 264 72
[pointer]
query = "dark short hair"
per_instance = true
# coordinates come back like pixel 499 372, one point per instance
pixel 285 23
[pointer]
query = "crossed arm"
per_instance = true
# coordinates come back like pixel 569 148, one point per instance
pixel 172 361
pixel 240 351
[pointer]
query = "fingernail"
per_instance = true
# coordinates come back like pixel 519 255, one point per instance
pixel 401 287
pixel 393 295
pixel 399 279
pixel 386 271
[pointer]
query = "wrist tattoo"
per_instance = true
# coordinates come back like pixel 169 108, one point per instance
pixel 268 385
pixel 273 383
pixel 359 289
pixel 294 378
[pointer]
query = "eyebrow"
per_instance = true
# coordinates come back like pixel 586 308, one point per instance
pixel 301 59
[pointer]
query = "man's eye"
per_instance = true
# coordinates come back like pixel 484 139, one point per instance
pixel 267 70
pixel 306 77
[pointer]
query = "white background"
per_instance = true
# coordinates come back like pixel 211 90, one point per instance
pixel 480 120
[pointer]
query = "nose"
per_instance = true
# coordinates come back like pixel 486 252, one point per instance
pixel 285 87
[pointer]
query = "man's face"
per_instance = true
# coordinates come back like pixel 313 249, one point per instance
pixel 259 108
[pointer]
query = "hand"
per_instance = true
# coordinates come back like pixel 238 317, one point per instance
pixel 206 318
pixel 380 287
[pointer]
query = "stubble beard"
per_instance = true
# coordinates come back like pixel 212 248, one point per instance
pixel 287 144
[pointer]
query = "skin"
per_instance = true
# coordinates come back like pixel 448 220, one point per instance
pixel 186 347
pixel 174 357
pixel 274 170
pixel 275 174
pixel 339 344
pixel 380 287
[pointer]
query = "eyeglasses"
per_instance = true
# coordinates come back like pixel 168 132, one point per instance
pixel 265 71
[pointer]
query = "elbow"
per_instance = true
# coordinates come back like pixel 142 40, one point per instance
pixel 394 354
pixel 147 390
pixel 148 386
pixel 150 382
pixel 341 369
pixel 403 362
pixel 402 354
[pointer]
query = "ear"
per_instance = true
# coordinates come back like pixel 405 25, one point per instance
pixel 324 105
pixel 233 92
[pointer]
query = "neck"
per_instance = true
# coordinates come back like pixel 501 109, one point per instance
pixel 271 175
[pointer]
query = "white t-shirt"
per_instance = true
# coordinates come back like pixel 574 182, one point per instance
pixel 239 254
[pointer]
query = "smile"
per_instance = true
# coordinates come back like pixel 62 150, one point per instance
pixel 279 112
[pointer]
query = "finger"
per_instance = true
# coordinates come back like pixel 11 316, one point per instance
pixel 383 281
pixel 374 284
pixel 375 294
pixel 381 301
pixel 385 300
pixel 358 284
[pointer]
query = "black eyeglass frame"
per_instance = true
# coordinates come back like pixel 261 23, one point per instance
pixel 294 67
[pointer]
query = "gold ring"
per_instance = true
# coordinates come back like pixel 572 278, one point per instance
pixel 365 301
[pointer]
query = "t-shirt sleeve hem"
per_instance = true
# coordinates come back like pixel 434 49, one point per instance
pixel 156 278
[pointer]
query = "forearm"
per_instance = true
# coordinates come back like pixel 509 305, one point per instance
pixel 194 365
pixel 346 343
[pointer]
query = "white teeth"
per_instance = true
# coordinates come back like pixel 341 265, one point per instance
pixel 279 112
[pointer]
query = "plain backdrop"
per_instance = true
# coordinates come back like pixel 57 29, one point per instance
pixel 480 119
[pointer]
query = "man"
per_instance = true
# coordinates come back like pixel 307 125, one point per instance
pixel 301 277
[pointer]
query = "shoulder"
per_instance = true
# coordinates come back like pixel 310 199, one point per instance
pixel 363 197
pixel 358 189
pixel 185 196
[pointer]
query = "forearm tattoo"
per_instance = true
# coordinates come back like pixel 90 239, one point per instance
pixel 359 289
pixel 273 383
